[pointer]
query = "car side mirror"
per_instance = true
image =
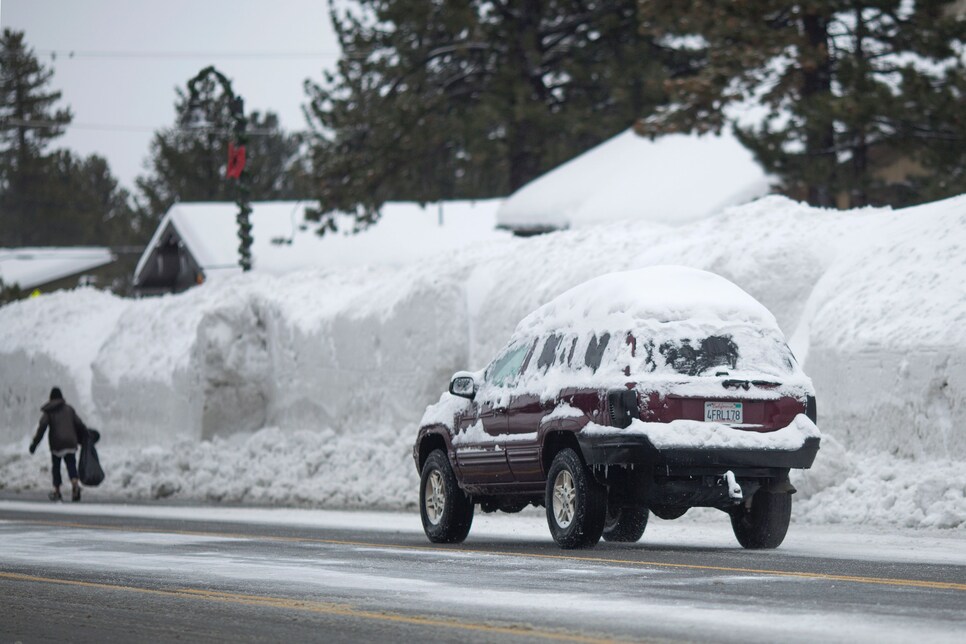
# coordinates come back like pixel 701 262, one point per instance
pixel 463 385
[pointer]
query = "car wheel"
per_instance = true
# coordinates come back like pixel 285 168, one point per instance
pixel 576 503
pixel 625 524
pixel 446 511
pixel 765 524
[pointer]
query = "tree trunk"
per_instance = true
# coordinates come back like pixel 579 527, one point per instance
pixel 819 128
pixel 860 148
pixel 20 186
pixel 523 135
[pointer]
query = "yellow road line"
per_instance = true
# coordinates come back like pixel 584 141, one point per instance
pixel 324 608
pixel 883 581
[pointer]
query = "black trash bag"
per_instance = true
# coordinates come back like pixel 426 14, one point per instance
pixel 89 469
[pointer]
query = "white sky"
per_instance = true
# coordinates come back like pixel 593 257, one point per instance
pixel 130 55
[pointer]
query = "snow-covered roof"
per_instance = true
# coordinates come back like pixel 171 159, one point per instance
pixel 285 240
pixel 30 267
pixel 672 179
pixel 656 294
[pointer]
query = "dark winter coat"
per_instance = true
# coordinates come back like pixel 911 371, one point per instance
pixel 66 427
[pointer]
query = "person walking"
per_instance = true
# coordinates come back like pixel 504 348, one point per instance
pixel 67 430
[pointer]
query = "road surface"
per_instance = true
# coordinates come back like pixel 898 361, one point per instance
pixel 87 572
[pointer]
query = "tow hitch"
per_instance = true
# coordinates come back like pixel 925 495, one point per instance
pixel 734 490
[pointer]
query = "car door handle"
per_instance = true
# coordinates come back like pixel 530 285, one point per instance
pixel 499 410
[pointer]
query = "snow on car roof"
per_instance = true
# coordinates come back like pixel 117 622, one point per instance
pixel 625 300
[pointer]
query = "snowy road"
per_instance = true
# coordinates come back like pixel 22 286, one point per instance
pixel 136 573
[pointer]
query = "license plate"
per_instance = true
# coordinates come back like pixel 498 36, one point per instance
pixel 729 413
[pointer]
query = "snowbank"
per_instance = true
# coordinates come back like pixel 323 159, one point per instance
pixel 270 467
pixel 53 340
pixel 342 363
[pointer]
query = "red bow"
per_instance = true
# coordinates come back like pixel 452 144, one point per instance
pixel 236 161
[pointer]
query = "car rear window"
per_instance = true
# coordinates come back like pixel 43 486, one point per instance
pixel 695 357
pixel 740 349
pixel 679 351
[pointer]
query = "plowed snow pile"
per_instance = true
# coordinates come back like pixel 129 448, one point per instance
pixel 307 388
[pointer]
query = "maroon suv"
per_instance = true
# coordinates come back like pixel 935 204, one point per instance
pixel 655 390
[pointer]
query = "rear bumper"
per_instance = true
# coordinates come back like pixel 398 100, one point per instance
pixel 638 450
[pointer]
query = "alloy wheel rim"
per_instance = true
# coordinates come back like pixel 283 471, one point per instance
pixel 435 497
pixel 564 499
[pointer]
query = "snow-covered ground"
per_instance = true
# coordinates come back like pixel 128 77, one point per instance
pixel 306 388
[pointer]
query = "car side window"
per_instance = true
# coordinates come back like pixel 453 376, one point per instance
pixel 595 351
pixel 549 352
pixel 507 367
pixel 570 353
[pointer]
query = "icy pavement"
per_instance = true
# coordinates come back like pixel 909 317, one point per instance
pixel 698 529
pixel 687 580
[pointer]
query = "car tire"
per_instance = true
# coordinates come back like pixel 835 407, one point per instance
pixel 576 503
pixel 446 511
pixel 765 524
pixel 625 524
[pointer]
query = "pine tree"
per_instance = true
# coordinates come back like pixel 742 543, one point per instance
pixel 26 100
pixel 29 121
pixel 88 206
pixel 848 86
pixel 187 162
pixel 50 197
pixel 473 99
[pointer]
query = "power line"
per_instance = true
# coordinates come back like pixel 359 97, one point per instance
pixel 107 127
pixel 40 125
pixel 182 55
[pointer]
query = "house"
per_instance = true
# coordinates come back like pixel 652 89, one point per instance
pixel 673 179
pixel 50 268
pixel 196 242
